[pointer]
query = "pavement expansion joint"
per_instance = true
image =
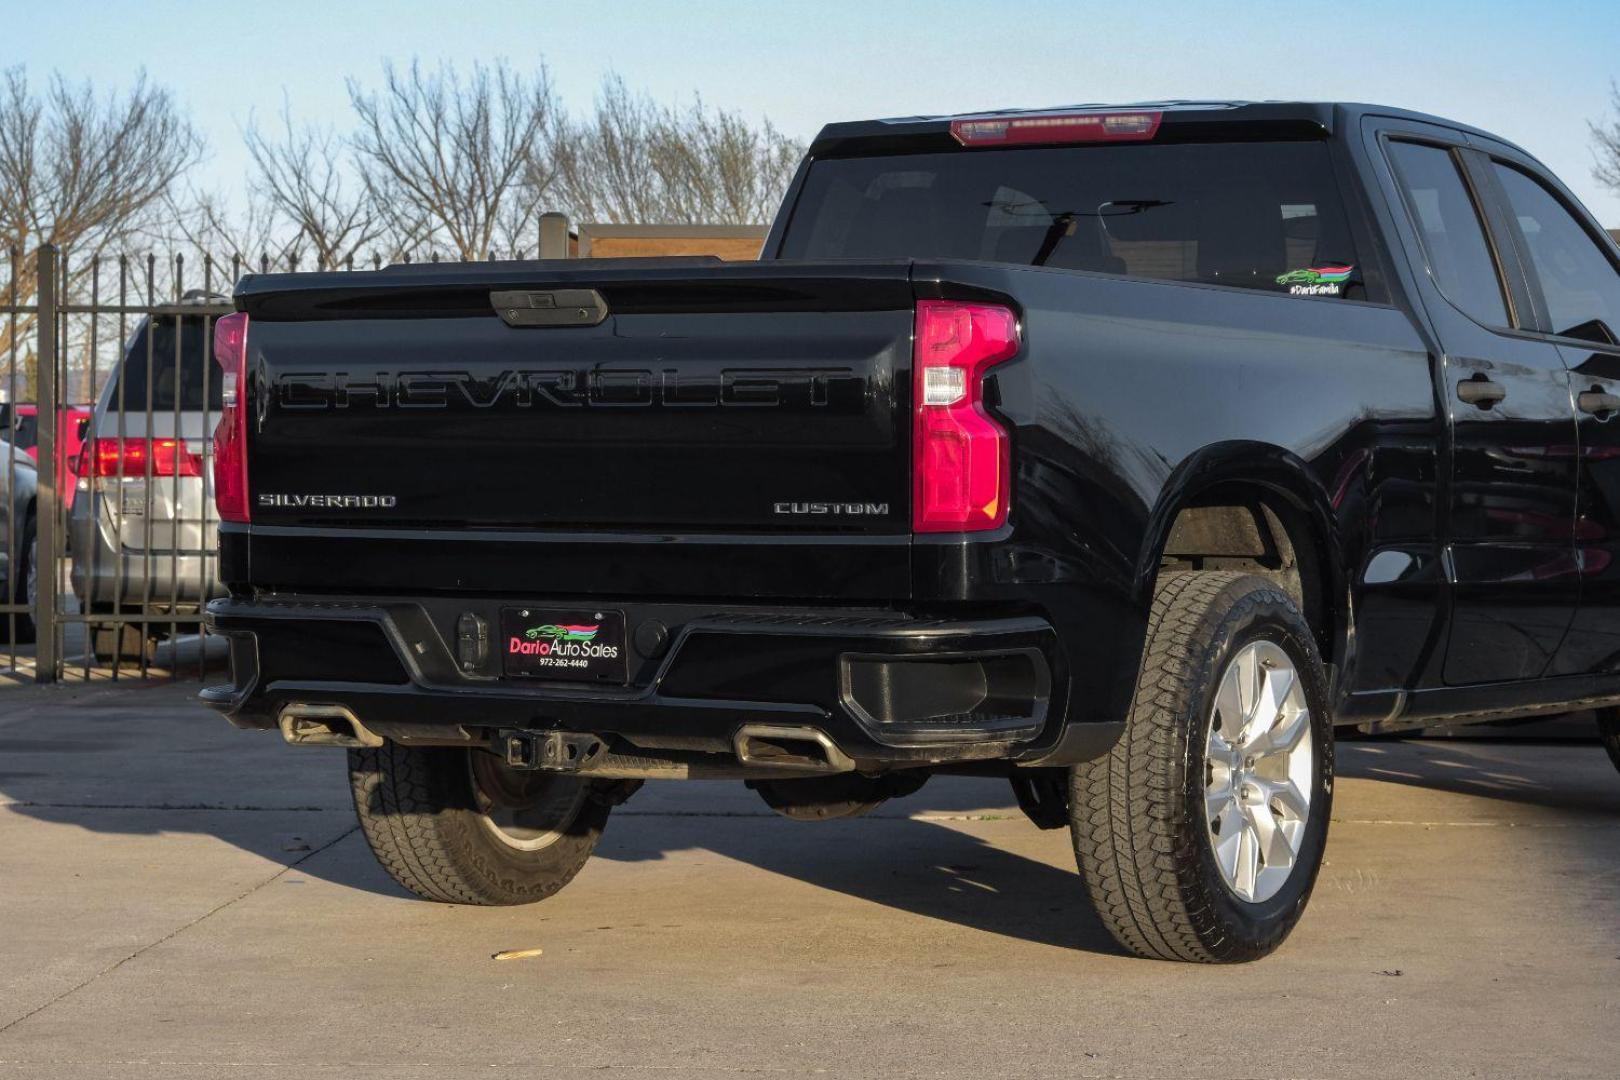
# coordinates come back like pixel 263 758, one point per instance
pixel 171 935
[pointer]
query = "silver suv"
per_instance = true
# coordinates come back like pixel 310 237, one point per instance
pixel 142 527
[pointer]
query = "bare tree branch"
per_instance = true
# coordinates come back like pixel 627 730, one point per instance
pixel 445 158
pixel 252 239
pixel 82 171
pixel 304 174
pixel 1606 148
pixel 438 161
pixel 635 161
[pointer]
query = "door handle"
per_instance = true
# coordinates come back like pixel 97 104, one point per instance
pixel 1480 392
pixel 1597 402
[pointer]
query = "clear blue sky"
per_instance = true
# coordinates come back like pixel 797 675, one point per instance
pixel 1534 73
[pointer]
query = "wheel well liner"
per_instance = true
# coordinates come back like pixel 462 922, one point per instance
pixel 1254 507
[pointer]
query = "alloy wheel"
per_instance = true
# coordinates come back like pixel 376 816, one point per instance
pixel 525 810
pixel 1259 764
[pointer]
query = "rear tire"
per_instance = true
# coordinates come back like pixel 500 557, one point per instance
pixel 1149 818
pixel 1609 730
pixel 458 827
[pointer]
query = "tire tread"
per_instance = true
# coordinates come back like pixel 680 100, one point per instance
pixel 1128 812
pixel 407 802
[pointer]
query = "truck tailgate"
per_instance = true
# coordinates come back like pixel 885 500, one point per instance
pixel 760 410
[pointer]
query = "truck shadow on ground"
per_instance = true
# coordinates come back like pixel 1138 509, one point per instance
pixel 939 870
pixel 933 869
pixel 926 868
pixel 1510 771
pixel 142 767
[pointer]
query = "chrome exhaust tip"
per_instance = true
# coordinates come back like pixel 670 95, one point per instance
pixel 324 725
pixel 789 748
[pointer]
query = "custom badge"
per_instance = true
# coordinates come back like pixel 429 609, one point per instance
pixel 1325 280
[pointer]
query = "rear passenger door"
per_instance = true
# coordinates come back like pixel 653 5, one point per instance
pixel 1510 503
pixel 1575 305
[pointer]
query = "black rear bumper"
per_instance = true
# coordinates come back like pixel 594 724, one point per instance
pixel 890 690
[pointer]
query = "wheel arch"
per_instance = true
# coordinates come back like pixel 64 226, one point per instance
pixel 1198 522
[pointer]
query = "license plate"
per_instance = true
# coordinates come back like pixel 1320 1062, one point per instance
pixel 133 499
pixel 548 643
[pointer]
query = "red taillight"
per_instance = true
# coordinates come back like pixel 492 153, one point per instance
pixel 230 437
pixel 1057 128
pixel 961 464
pixel 132 456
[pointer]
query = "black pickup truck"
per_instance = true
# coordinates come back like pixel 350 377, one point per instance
pixel 1121 452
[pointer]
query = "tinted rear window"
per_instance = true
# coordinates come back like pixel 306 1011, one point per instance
pixel 1256 215
pixel 26 434
pixel 152 361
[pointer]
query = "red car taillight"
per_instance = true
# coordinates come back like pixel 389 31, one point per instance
pixel 961 462
pixel 131 456
pixel 230 437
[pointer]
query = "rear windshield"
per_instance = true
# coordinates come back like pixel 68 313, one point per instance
pixel 1254 214
pixel 171 374
pixel 25 436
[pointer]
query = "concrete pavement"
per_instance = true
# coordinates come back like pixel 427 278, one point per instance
pixel 178 899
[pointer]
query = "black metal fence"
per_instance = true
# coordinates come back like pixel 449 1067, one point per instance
pixel 109 530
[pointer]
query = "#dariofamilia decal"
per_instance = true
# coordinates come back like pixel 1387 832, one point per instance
pixel 1325 280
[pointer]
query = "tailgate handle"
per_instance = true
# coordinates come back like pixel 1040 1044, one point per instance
pixel 550 307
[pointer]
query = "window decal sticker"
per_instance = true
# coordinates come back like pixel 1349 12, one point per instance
pixel 1325 280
